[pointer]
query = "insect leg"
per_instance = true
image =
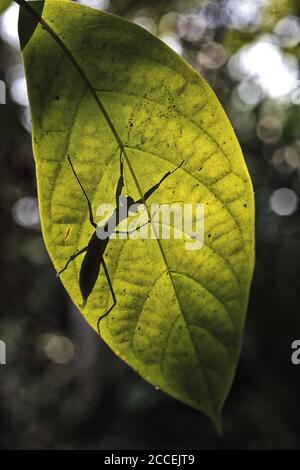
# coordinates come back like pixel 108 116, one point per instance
pixel 112 294
pixel 120 182
pixel 129 232
pixel 157 185
pixel 85 194
pixel 72 259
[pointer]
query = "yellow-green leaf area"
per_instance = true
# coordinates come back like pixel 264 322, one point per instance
pixel 180 313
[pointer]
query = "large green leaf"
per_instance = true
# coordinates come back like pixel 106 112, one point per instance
pixel 180 314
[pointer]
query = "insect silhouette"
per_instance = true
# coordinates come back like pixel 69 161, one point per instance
pixel 95 249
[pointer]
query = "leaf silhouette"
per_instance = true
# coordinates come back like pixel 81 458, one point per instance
pixel 180 313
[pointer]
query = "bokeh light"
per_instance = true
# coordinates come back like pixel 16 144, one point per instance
pixel 288 31
pixel 25 212
pixel 100 4
pixel 9 26
pixel 269 128
pixel 192 27
pixel 18 91
pixel 245 14
pixel 284 202
pixel 59 349
pixel 250 92
pixel 169 23
pixel 274 71
pixel 145 21
pixel 212 55
pixel 286 159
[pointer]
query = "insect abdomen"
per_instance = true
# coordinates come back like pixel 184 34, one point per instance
pixel 89 272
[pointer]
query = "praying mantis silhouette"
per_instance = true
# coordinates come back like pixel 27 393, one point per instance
pixel 95 249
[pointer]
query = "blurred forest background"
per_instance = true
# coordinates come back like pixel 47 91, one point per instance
pixel 62 388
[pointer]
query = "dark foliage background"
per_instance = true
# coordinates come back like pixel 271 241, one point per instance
pixel 62 387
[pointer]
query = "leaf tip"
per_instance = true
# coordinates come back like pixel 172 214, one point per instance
pixel 216 420
pixel 218 425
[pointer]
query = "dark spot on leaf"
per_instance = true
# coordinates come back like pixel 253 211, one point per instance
pixel 57 98
pixel 67 234
pixel 245 205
